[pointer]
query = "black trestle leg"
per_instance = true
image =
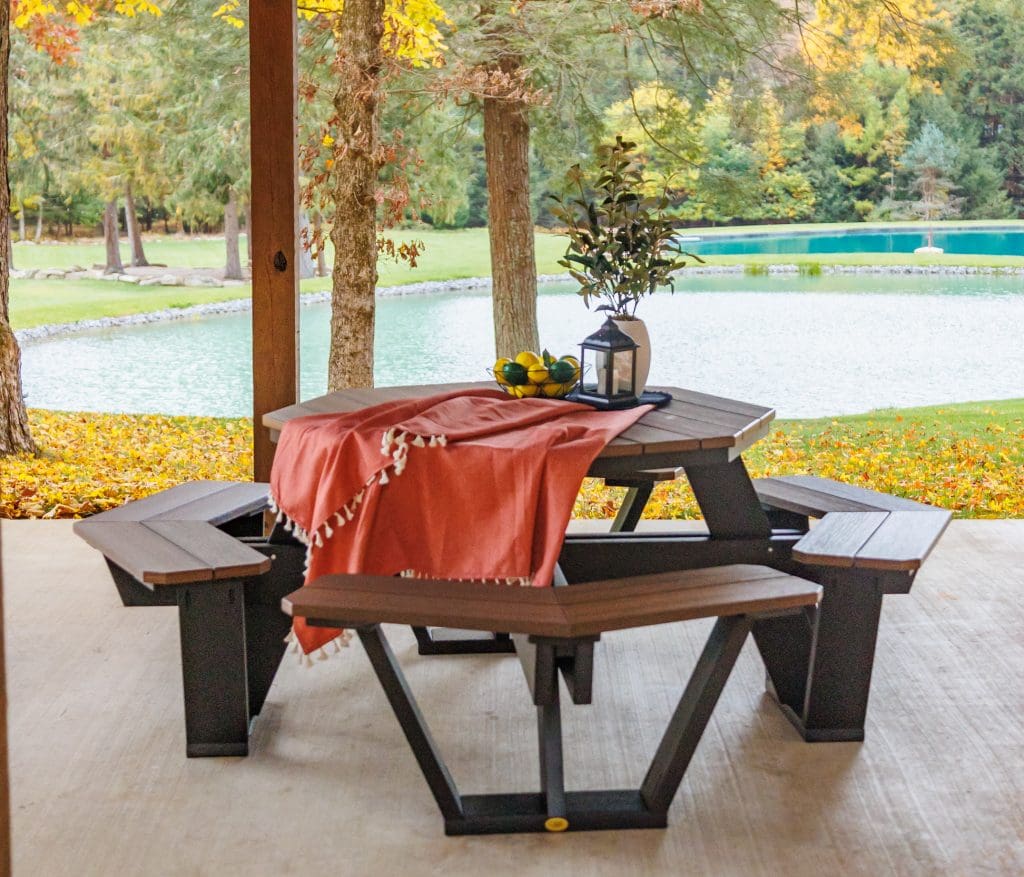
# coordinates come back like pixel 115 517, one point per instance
pixel 693 712
pixel 552 809
pixel 628 515
pixel 549 740
pixel 414 726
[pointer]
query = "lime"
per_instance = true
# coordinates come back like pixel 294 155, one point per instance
pixel 537 374
pixel 499 369
pixel 561 371
pixel 514 373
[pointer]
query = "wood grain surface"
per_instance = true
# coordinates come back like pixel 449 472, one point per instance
pixel 582 610
pixel 691 421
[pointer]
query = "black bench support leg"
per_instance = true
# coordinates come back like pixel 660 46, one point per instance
pixel 831 703
pixel 786 646
pixel 266 626
pixel 693 712
pixel 840 679
pixel 213 663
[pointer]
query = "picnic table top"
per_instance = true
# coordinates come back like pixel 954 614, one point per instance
pixel 691 422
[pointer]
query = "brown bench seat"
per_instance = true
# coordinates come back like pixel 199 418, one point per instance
pixel 815 497
pixel 199 546
pixel 557 620
pixel 892 541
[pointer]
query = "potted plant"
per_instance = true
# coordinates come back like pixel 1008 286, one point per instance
pixel 622 246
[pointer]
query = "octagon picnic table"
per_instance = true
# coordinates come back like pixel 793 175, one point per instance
pixel 819 673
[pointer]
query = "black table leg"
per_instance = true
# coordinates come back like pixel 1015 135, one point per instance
pixel 552 809
pixel 628 515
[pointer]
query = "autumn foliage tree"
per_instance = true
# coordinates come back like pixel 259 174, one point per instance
pixel 54 31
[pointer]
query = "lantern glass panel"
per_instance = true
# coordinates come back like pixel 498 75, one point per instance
pixel 623 374
pixel 594 371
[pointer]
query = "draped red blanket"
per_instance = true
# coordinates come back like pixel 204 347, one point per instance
pixel 469 485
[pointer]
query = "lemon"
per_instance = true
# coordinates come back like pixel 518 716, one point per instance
pixel 521 392
pixel 553 390
pixel 537 374
pixel 570 359
pixel 499 369
pixel 528 358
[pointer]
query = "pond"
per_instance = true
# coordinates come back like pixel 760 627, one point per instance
pixel 988 242
pixel 808 346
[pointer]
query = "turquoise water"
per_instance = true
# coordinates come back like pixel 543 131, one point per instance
pixel 814 346
pixel 980 242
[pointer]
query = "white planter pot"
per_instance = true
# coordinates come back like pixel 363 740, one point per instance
pixel 637 330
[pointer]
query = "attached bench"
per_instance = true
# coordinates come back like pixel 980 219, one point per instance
pixel 198 546
pixel 807 496
pixel 867 544
pixel 555 620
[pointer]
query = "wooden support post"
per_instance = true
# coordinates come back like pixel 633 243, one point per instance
pixel 273 89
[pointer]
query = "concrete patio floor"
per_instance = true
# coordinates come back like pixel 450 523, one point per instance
pixel 101 785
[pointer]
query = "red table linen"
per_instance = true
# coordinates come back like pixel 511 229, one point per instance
pixel 470 485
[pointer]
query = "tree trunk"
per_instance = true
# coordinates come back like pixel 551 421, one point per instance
pixel 21 223
pixel 510 225
pixel 248 231
pixel 131 224
pixel 321 253
pixel 39 221
pixel 233 264
pixel 357 163
pixel 14 431
pixel 111 238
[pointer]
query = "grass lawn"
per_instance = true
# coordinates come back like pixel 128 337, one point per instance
pixel 968 458
pixel 458 253
pixel 41 302
pixel 448 255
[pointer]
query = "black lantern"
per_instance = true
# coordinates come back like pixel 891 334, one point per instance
pixel 608 369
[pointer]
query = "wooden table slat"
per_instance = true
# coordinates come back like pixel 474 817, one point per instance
pixel 691 422
pixel 719 402
pixel 662 439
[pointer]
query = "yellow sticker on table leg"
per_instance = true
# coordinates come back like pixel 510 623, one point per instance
pixel 556 823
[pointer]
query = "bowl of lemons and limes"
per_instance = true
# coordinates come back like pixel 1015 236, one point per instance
pixel 532 374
